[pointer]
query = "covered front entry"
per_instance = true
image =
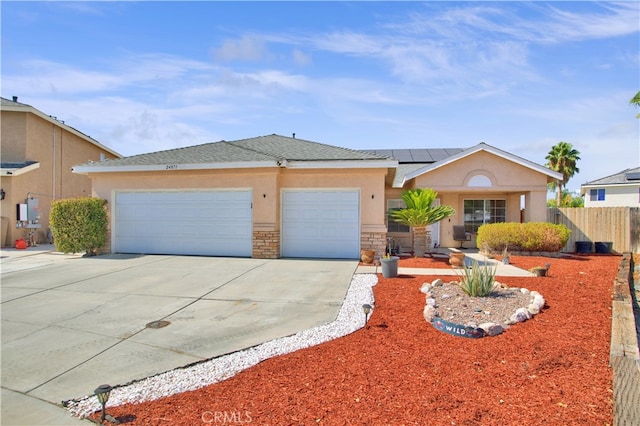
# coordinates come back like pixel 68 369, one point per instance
pixel 187 222
pixel 321 223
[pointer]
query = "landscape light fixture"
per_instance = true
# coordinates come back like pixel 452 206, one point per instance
pixel 102 392
pixel 366 308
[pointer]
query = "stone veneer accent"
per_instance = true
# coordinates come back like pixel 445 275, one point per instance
pixel 374 241
pixel 266 244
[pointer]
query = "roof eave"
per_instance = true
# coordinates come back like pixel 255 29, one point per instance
pixel 98 168
pixel 11 171
pixel 342 164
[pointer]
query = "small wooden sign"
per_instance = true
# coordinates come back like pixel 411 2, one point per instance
pixel 457 329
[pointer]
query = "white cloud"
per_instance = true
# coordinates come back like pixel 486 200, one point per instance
pixel 300 58
pixel 246 48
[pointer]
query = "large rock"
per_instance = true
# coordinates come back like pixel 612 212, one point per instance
pixel 521 315
pixel 491 329
pixel 429 313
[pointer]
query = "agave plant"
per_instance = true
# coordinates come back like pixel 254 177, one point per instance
pixel 420 213
pixel 478 280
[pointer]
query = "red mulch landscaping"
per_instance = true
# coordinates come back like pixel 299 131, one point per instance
pixel 399 370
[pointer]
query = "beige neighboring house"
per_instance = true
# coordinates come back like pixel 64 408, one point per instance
pixel 37 154
pixel 275 196
pixel 618 190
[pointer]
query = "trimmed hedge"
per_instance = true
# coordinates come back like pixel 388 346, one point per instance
pixel 530 236
pixel 79 224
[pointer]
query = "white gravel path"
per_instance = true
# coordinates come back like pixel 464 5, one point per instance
pixel 350 318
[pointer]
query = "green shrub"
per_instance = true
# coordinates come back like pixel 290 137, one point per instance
pixel 530 236
pixel 478 281
pixel 79 224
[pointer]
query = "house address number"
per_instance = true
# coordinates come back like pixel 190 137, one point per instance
pixel 171 167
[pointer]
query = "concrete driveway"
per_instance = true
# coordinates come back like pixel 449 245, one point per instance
pixel 70 323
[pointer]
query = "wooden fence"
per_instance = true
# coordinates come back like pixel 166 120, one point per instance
pixel 617 225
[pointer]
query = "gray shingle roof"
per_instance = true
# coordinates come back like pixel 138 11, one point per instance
pixel 623 177
pixel 262 148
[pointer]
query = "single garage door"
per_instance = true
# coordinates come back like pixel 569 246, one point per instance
pixel 321 224
pixel 211 223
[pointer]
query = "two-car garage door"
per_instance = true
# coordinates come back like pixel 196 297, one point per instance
pixel 213 223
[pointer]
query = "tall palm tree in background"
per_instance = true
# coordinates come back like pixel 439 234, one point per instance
pixel 636 101
pixel 419 213
pixel 563 158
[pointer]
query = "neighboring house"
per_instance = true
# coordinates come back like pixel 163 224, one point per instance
pixel 37 154
pixel 618 190
pixel 275 196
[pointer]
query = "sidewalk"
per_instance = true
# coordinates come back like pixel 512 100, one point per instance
pixel 502 270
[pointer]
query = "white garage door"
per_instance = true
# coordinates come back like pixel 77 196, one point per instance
pixel 212 223
pixel 321 224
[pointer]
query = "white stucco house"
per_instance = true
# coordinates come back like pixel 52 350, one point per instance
pixel 618 190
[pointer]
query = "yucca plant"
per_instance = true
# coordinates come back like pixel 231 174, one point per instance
pixel 478 280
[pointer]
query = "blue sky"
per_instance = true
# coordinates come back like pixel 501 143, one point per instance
pixel 521 76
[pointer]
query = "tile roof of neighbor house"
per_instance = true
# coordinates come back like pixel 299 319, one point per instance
pixel 14 105
pixel 259 151
pixel 628 176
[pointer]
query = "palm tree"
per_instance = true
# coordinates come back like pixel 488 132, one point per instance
pixel 419 213
pixel 636 101
pixel 563 158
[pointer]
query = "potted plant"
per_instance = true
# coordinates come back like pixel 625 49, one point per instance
pixel 540 271
pixel 456 259
pixel 506 256
pixel 367 256
pixel 389 266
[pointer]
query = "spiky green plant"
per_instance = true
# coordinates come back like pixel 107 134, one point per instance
pixel 420 213
pixel 478 280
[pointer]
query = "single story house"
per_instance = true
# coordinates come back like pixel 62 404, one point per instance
pixel 275 196
pixel 618 190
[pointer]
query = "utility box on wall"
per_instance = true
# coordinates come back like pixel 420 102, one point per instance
pixel 33 212
pixel 21 213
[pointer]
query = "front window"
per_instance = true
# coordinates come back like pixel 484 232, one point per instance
pixel 479 212
pixel 596 194
pixel 391 225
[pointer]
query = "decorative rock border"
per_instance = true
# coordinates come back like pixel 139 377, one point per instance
pixel 473 330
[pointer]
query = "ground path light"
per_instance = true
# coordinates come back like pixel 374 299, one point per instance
pixel 102 392
pixel 366 308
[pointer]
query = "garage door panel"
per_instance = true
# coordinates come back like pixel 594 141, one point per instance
pixel 323 224
pixel 215 223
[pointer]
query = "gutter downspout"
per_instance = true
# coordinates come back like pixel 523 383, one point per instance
pixel 53 163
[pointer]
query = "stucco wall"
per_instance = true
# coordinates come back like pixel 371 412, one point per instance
pixel 13 133
pixel 266 185
pixel 616 196
pixel 508 181
pixel 28 137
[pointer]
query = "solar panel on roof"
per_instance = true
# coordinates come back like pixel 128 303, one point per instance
pixel 402 155
pixel 421 155
pixel 633 176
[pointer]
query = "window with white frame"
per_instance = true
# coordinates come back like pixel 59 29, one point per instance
pixel 596 194
pixel 392 226
pixel 479 212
